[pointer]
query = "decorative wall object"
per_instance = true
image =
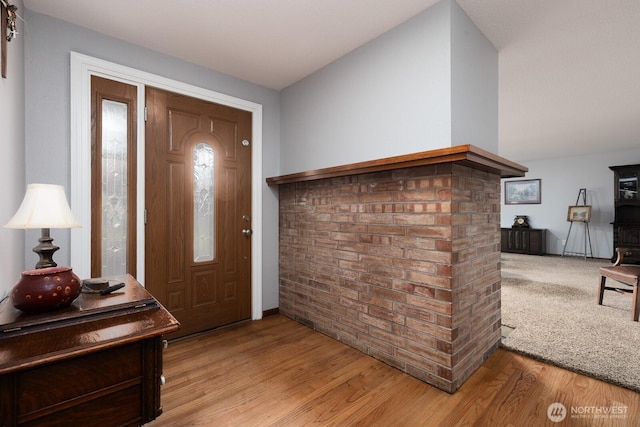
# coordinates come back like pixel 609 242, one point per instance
pixel 8 15
pixel 522 192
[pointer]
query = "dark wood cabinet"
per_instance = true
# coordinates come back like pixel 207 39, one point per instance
pixel 529 241
pixel 626 222
pixel 95 363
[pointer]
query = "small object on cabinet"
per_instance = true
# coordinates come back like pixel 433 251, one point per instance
pixel 112 288
pixel 94 286
pixel 521 221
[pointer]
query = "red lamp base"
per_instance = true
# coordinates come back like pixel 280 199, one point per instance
pixel 45 289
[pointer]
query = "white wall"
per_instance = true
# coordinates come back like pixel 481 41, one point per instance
pixel 47 51
pixel 474 85
pixel 12 163
pixel 396 95
pixel 562 179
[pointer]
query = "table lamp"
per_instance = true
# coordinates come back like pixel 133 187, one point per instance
pixel 44 206
pixel 48 287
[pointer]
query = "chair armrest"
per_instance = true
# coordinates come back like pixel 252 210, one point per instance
pixel 622 252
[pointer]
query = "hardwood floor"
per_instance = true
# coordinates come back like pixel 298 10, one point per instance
pixel 276 372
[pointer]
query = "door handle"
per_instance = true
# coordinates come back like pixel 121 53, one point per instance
pixel 247 232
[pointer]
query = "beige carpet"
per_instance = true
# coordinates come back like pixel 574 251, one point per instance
pixel 551 304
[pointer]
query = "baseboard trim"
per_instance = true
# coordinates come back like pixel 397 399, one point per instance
pixel 270 312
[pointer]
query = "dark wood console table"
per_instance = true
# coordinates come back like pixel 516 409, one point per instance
pixel 96 362
pixel 528 241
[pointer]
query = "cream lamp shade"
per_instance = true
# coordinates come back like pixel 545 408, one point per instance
pixel 44 206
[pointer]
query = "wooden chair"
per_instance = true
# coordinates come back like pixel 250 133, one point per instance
pixel 626 274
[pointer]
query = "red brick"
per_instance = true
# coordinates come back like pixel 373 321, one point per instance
pixel 390 315
pixel 375 197
pixel 385 208
pixel 414 242
pixel 414 312
pixel 420 196
pixel 415 219
pixel 374 321
pixel 387 230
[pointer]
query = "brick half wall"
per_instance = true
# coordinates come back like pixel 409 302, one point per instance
pixel 403 265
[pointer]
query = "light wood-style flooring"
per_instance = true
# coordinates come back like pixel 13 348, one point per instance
pixel 276 372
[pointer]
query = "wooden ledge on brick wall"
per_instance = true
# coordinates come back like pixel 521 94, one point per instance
pixel 468 155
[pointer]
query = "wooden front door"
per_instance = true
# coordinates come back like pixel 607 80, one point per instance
pixel 198 210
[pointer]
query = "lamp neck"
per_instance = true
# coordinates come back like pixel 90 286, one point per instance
pixel 45 250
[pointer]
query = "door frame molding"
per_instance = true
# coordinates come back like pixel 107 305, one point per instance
pixel 82 68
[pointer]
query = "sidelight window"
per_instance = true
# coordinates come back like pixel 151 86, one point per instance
pixel 114 187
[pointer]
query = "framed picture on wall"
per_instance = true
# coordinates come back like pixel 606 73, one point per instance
pixel 522 192
pixel 579 214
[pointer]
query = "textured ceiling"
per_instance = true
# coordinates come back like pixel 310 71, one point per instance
pixel 569 80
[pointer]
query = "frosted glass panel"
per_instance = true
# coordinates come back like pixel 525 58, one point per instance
pixel 203 200
pixel 114 188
